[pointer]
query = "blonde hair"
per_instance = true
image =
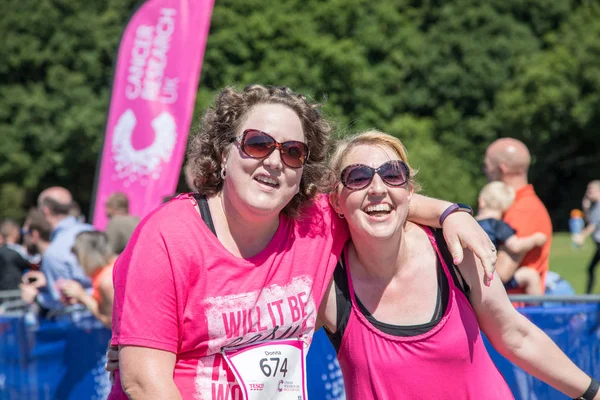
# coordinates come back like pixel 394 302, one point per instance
pixel 92 251
pixel 371 138
pixel 497 196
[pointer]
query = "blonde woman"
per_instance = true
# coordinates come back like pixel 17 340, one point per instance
pixel 94 254
pixel 406 322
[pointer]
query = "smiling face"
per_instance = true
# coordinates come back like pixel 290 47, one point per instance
pixel 263 187
pixel 377 211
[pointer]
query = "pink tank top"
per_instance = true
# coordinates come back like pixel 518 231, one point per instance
pixel 449 361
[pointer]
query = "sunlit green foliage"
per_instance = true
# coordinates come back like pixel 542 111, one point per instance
pixel 447 77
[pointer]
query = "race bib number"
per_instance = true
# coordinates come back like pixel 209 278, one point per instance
pixel 271 370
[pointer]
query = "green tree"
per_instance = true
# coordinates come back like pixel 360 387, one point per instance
pixel 447 77
pixel 56 76
pixel 553 104
pixel 439 172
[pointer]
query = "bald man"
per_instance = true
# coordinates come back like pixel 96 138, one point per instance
pixel 508 160
pixel 58 261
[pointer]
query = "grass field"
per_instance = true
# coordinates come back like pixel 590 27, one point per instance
pixel 572 263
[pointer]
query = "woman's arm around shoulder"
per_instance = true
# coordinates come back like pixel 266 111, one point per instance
pixel 461 231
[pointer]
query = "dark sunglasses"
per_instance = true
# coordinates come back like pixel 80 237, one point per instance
pixel 359 176
pixel 257 144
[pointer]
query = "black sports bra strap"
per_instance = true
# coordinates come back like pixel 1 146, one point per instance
pixel 204 211
pixel 454 271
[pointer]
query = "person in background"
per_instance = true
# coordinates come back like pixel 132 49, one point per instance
pixel 10 233
pixel 120 223
pixel 406 323
pixel 508 160
pixel 36 238
pixel 556 285
pixel 75 211
pixel 12 267
pixel 58 262
pixel 494 199
pixel 591 209
pixel 97 258
pixel 12 256
pixel 576 224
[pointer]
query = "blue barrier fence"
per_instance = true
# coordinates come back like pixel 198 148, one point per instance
pixel 50 360
pixel 575 329
pixel 64 359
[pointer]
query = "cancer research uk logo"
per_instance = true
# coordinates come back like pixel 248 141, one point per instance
pixel 133 165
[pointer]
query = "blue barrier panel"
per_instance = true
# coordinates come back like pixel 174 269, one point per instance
pixel 64 359
pixel 53 359
pixel 575 329
pixel 323 370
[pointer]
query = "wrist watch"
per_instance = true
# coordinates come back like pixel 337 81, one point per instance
pixel 453 208
pixel 591 391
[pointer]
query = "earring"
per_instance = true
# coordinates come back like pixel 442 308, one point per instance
pixel 341 215
pixel 223 173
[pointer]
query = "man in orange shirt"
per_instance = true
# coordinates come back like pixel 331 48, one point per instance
pixel 508 160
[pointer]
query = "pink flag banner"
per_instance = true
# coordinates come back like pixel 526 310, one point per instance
pixel 152 102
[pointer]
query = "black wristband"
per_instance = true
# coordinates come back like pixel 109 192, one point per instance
pixel 591 391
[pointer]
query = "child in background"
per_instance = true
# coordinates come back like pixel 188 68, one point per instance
pixel 576 225
pixel 494 199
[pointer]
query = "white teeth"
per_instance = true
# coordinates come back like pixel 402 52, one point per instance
pixel 378 208
pixel 267 180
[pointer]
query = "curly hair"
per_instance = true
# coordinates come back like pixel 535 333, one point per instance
pixel 219 128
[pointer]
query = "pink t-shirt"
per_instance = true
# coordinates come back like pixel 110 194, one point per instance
pixel 449 361
pixel 178 289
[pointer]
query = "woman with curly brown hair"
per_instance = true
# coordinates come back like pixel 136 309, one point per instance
pixel 216 295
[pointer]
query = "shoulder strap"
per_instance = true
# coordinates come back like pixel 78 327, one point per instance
pixel 345 308
pixel 454 271
pixel 205 211
pixel 343 303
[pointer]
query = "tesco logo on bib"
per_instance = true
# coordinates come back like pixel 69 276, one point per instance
pixel 257 386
